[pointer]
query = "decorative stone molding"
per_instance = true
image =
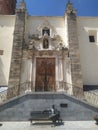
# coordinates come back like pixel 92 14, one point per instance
pixel 17 52
pixel 49 53
pixel 36 43
pixel 48 25
pixel 76 72
pixel 34 37
pixel 70 9
pixel 22 5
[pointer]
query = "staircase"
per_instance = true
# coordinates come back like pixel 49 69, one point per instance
pixel 72 109
pixel 89 96
pixel 26 87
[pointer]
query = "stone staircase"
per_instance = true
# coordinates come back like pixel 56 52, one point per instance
pixel 89 96
pixel 26 87
pixel 72 109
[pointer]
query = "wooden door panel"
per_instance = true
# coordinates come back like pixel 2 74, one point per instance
pixel 45 74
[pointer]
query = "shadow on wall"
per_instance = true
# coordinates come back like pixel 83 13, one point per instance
pixel 3 81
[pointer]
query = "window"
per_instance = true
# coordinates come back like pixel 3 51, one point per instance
pixel 46 31
pixel 92 36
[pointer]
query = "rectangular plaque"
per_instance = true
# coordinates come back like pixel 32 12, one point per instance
pixel 63 105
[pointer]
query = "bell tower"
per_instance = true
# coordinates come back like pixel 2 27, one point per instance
pixel 7 7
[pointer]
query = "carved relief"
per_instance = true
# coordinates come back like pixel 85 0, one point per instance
pixel 46 41
pixel 34 45
pixel 70 8
pixel 48 25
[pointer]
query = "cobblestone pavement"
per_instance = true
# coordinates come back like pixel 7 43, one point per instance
pixel 68 125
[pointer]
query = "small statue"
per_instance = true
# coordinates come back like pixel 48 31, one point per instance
pixel 45 43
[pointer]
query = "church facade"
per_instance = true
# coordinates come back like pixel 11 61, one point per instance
pixel 48 54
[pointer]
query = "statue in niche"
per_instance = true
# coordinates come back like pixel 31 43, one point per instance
pixel 45 43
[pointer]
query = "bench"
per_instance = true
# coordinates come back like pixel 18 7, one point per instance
pixel 96 119
pixel 45 115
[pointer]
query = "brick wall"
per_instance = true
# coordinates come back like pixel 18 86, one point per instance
pixel 7 7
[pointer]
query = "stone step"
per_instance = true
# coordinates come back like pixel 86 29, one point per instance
pixel 72 109
pixel 68 125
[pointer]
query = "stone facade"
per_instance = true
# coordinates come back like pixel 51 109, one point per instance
pixel 7 7
pixel 74 54
pixel 42 61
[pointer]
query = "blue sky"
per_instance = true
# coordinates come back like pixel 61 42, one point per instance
pixel 57 7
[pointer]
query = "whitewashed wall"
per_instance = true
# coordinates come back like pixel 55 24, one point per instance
pixel 88 51
pixel 6 40
pixel 34 22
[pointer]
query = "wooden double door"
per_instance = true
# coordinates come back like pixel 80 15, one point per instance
pixel 45 74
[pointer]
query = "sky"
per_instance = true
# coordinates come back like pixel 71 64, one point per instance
pixel 58 7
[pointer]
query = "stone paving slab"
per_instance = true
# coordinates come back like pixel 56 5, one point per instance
pixel 68 125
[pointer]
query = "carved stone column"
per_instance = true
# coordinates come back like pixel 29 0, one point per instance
pixel 77 81
pixel 17 52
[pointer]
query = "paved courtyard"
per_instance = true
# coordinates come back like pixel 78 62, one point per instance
pixel 68 125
